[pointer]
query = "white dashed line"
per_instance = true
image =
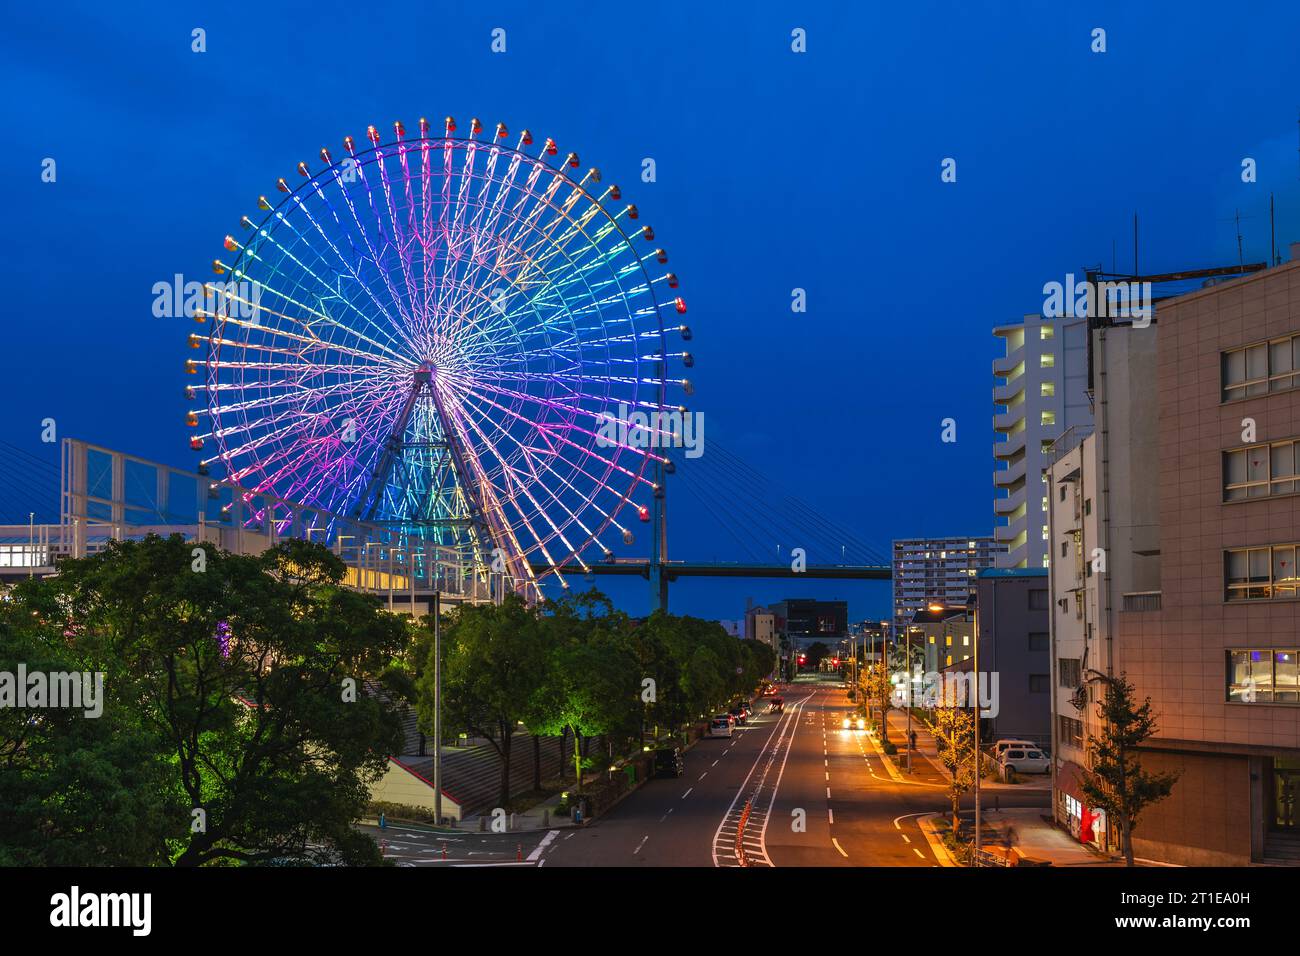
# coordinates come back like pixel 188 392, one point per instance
pixel 687 793
pixel 831 814
pixel 641 844
pixel 828 793
pixel 840 848
pixel 918 852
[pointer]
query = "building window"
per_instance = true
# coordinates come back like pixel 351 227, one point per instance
pixel 1047 418
pixel 1038 600
pixel 1261 368
pixel 1062 492
pixel 1039 641
pixel 1070 731
pixel 1258 574
pixel 1045 332
pixel 1069 672
pixel 1047 389
pixel 1264 676
pixel 1039 683
pixel 1047 360
pixel 1261 470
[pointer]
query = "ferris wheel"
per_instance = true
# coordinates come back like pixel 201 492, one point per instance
pixel 438 333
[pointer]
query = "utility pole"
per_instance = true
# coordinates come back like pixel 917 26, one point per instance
pixel 437 707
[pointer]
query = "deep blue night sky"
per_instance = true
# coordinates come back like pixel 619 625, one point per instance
pixel 775 170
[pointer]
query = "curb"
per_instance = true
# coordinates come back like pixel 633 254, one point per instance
pixel 926 823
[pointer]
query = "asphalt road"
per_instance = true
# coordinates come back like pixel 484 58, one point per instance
pixel 818 795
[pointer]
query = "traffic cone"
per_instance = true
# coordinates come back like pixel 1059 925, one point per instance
pixel 383 848
pixel 444 851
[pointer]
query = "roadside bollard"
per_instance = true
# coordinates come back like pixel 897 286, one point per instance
pixel 519 852
pixel 444 851
pixel 383 822
pixel 383 848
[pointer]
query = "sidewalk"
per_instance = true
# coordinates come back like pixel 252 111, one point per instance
pixel 1021 833
pixel 927 748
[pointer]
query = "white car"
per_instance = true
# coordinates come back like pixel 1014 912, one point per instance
pixel 1024 760
pixel 1000 746
pixel 720 726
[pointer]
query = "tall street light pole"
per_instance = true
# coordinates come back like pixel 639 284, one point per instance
pixel 911 692
pixel 437 707
pixel 972 605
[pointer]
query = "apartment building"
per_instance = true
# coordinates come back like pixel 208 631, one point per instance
pixel 937 569
pixel 1103 512
pixel 1039 391
pixel 1175 530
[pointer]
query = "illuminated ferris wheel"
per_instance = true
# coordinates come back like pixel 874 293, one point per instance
pixel 436 333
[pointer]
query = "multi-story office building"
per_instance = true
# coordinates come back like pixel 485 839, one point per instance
pixel 937 569
pixel 1188 494
pixel 1039 391
pixel 805 621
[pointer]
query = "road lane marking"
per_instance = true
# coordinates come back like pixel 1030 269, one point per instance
pixel 715 763
pixel 687 793
pixel 702 776
pixel 906 838
pixel 541 847
pixel 641 844
pixel 840 848
pixel 830 814
pixel 828 793
pixel 918 853
pixel 828 774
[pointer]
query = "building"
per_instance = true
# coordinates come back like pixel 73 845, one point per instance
pixel 927 570
pixel 1105 550
pixel 1015 644
pixel 805 621
pixel 760 625
pixel 1181 515
pixel 944 637
pixel 1039 391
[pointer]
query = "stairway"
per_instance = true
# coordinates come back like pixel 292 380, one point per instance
pixel 1282 848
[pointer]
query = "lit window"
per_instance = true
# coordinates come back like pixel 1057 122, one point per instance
pixel 1047 360
pixel 1046 332
pixel 1047 389
pixel 1048 418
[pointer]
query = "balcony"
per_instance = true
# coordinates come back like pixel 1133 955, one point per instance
pixel 1004 393
pixel 1005 365
pixel 1004 506
pixel 1006 477
pixel 1012 445
pixel 1005 534
pixel 1007 420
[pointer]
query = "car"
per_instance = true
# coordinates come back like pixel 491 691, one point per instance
pixel 1001 745
pixel 1024 760
pixel 720 726
pixel 777 705
pixel 669 762
pixel 738 712
pixel 851 723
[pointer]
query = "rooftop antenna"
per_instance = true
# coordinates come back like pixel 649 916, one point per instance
pixel 1136 271
pixel 1272 233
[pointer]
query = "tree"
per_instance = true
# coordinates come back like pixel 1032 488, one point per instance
pixel 1116 782
pixel 954 736
pixel 878 688
pixel 494 667
pixel 816 652
pixel 233 686
pixel 593 685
